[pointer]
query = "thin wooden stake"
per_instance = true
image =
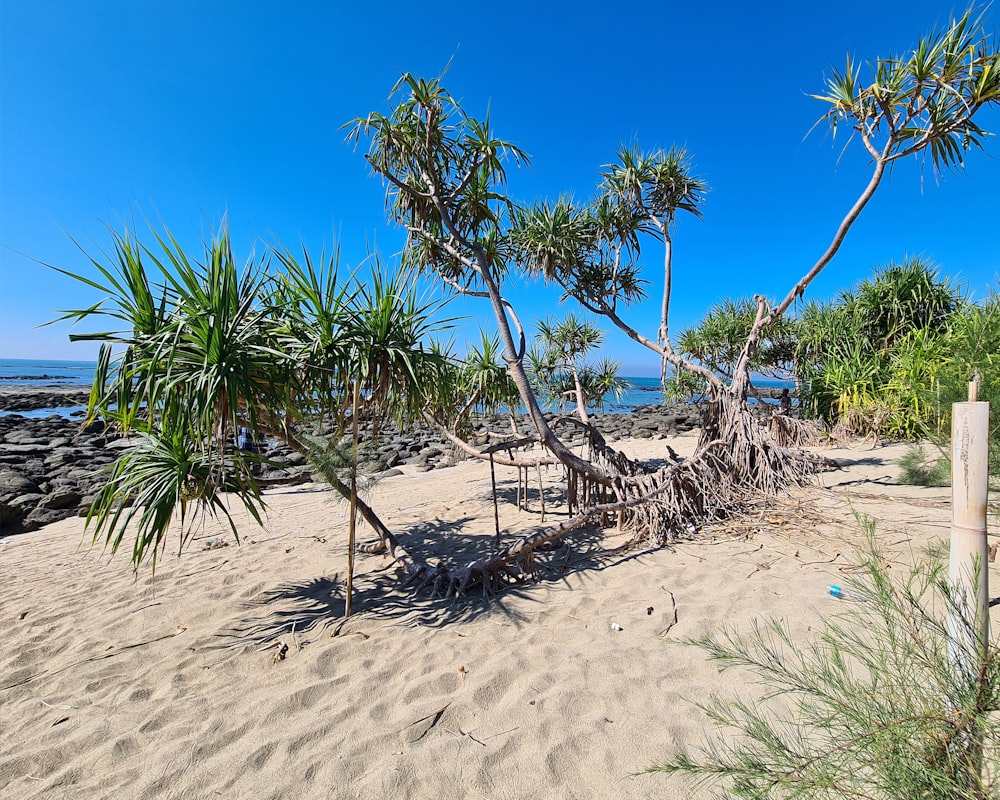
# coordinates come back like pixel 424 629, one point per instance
pixel 541 490
pixel 496 507
pixel 353 520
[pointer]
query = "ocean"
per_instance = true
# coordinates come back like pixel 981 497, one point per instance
pixel 34 374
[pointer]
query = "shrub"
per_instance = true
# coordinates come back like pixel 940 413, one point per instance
pixel 874 708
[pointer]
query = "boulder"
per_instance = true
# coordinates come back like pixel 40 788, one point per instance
pixel 15 483
pixel 61 499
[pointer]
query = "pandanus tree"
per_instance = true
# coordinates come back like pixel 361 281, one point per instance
pixel 655 187
pixel 213 347
pixel 560 368
pixel 204 347
pixel 924 104
pixel 446 182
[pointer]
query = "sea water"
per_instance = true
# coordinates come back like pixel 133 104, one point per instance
pixel 36 374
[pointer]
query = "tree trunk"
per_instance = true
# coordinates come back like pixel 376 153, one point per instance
pixel 664 332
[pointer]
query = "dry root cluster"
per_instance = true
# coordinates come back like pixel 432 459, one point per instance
pixel 738 460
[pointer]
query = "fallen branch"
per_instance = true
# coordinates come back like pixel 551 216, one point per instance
pixel 434 718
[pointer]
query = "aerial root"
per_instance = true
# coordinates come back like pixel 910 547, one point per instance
pixel 737 461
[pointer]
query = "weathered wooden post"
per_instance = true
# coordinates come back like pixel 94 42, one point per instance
pixel 968 622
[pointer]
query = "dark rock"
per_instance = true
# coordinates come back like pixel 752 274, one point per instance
pixel 10 516
pixel 45 516
pixel 15 483
pixel 26 502
pixel 36 400
pixel 60 500
pixel 24 449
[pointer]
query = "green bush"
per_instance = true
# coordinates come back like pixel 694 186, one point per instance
pixel 874 708
pixel 925 468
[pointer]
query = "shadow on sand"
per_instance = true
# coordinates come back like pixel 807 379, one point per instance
pixel 311 606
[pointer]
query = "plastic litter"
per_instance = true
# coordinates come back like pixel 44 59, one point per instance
pixel 844 594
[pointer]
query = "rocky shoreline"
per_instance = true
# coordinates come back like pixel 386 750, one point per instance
pixel 52 467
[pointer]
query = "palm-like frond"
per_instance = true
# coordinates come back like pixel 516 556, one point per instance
pixel 655 185
pixel 167 471
pixel 227 345
pixel 446 173
pixel 924 102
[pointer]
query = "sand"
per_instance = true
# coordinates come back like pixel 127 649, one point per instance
pixel 117 686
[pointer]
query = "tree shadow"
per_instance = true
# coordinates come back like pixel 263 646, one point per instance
pixel 868 461
pixel 381 593
pixel 555 496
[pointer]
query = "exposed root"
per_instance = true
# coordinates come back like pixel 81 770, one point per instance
pixel 738 460
pixel 788 431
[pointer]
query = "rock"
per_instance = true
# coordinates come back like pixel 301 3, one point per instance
pixel 14 483
pixel 35 400
pixel 44 516
pixel 52 468
pixel 25 503
pixel 24 449
pixel 61 499
pixel 10 516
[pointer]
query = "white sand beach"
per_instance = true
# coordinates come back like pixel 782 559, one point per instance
pixel 123 686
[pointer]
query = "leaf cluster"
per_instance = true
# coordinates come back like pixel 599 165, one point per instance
pixel 718 340
pixel 868 359
pixel 204 347
pixel 922 102
pixel 559 360
pixel 446 175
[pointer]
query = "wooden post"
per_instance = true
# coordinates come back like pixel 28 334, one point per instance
pixel 969 557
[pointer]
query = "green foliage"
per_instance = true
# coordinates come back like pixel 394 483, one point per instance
pixel 205 347
pixel 337 462
pixel 900 299
pixel 718 340
pixel 481 382
pixel 923 467
pixel 428 148
pixel 972 350
pixel 683 386
pixel 923 102
pixel 592 250
pixel 559 368
pixel 875 707
pixel 654 185
pixel 167 471
pixel 873 360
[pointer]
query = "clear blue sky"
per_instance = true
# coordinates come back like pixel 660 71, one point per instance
pixel 191 110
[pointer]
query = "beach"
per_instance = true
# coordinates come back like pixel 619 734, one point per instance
pixel 231 673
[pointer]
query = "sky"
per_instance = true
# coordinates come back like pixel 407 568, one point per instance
pixel 187 113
